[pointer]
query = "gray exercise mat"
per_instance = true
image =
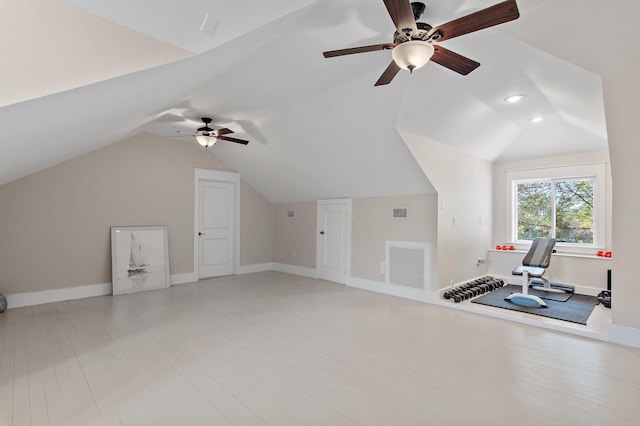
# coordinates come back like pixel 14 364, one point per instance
pixel 576 309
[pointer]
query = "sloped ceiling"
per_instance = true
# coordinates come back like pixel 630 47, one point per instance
pixel 318 128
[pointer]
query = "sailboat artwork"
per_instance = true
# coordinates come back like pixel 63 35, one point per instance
pixel 137 264
pixel 139 258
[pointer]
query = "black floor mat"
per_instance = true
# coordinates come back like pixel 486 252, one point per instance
pixel 576 309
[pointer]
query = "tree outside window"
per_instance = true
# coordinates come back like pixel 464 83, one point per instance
pixel 556 208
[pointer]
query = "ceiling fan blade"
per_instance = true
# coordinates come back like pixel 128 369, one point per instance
pixel 388 74
pixel 230 139
pixel 401 15
pixel 485 18
pixel 223 131
pixel 454 61
pixel 361 49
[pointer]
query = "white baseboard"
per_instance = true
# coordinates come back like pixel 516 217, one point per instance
pixel 256 267
pixel 623 335
pixel 188 277
pixel 296 270
pixel 393 290
pixel 20 300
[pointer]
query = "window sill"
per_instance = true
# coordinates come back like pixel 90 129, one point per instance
pixel 574 255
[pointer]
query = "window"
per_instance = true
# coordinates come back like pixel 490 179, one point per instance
pixel 555 208
pixel 565 203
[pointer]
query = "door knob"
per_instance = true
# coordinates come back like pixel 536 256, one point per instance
pixel 321 232
pixel 200 233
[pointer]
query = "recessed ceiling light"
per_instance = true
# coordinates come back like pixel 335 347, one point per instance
pixel 514 98
pixel 537 119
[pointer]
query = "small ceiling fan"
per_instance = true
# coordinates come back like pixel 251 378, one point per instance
pixel 413 41
pixel 207 136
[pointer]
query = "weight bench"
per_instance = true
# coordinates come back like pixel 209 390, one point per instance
pixel 534 265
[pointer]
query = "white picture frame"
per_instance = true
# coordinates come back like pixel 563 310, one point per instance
pixel 139 258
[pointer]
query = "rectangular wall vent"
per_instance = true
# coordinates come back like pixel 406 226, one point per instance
pixel 400 213
pixel 407 264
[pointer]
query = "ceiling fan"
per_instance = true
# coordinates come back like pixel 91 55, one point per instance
pixel 207 136
pixel 413 41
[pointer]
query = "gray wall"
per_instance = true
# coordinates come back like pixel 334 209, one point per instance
pixel 464 185
pixel 295 238
pixel 55 224
pixel 256 227
pixel 373 225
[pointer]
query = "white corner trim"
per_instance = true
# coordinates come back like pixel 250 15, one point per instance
pixel 296 270
pixel 256 267
pixel 623 335
pixel 20 300
pixel 188 277
pixel 393 290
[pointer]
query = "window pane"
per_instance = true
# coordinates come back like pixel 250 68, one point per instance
pixel 574 211
pixel 534 210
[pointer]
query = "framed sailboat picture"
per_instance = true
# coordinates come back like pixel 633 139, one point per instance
pixel 139 258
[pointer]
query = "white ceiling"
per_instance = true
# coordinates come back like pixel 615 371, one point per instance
pixel 318 127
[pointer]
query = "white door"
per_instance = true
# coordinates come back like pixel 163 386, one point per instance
pixel 216 229
pixel 334 240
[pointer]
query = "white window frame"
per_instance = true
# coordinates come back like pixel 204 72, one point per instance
pixel 595 171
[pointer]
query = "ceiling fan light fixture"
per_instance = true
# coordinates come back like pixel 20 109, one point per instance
pixel 412 55
pixel 206 140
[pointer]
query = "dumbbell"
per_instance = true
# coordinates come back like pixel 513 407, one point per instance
pixel 464 294
pixel 450 293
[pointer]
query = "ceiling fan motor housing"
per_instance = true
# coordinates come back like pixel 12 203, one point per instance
pixel 422 34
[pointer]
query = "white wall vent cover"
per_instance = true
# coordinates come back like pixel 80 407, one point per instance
pixel 407 263
pixel 400 213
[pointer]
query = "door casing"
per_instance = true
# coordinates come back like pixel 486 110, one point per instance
pixel 346 247
pixel 219 176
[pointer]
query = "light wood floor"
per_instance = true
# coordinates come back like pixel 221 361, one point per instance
pixel 271 348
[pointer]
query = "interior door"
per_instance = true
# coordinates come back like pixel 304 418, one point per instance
pixel 334 240
pixel 216 244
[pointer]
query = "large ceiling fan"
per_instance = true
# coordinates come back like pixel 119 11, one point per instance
pixel 207 136
pixel 413 41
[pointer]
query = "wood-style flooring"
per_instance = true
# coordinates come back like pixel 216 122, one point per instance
pixel 276 349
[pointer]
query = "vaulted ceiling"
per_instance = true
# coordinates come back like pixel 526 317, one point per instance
pixel 80 74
